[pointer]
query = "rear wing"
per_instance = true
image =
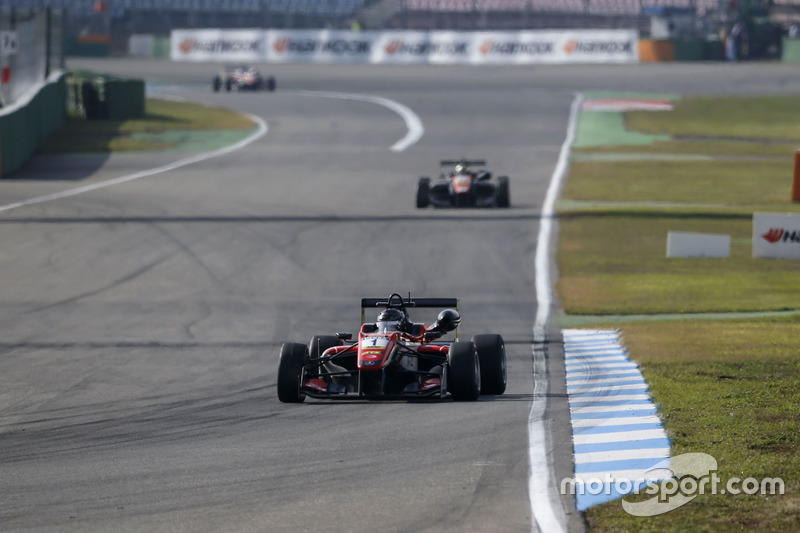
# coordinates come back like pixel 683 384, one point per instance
pixel 467 162
pixel 417 303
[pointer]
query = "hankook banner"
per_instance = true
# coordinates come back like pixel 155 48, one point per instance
pixel 406 47
pixel 776 235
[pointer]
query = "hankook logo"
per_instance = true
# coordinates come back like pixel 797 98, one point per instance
pixel 220 46
pixel 398 46
pixel 310 46
pixel 781 235
pixel 574 46
pixel 509 48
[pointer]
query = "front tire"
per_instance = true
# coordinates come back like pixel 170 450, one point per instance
pixel 290 372
pixel 492 356
pixel 216 85
pixel 271 84
pixel 464 374
pixel 503 192
pixel 423 193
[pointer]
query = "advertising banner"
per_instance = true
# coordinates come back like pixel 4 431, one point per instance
pixel 776 235
pixel 217 45
pixel 406 47
pixel 319 46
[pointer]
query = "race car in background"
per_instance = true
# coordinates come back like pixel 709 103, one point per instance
pixel 242 78
pixel 395 358
pixel 463 186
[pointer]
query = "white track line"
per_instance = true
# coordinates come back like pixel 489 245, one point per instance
pixel 260 132
pixel 546 509
pixel 413 123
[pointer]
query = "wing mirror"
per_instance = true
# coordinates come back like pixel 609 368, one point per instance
pixel 484 176
pixel 448 320
pixel 344 336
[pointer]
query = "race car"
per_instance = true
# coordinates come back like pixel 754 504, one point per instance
pixel 463 186
pixel 395 358
pixel 242 78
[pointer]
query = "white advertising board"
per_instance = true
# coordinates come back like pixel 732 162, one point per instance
pixel 776 235
pixel 319 46
pixel 217 45
pixel 683 244
pixel 406 47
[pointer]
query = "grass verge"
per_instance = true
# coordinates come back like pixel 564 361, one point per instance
pixel 156 131
pixel 723 387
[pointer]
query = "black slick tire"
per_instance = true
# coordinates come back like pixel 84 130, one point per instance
pixel 503 192
pixel 271 84
pixel 290 372
pixel 423 193
pixel 464 374
pixel 216 84
pixel 492 356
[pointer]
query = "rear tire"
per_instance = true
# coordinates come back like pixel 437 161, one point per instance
pixel 228 85
pixel 290 372
pixel 271 84
pixel 464 374
pixel 423 193
pixel 216 85
pixel 503 192
pixel 492 356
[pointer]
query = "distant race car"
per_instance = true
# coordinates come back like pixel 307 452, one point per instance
pixel 394 358
pixel 463 186
pixel 242 78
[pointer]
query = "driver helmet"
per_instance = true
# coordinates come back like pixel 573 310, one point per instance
pixel 461 168
pixel 391 320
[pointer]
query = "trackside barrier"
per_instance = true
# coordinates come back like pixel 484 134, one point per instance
pixel 790 50
pixel 97 96
pixel 656 51
pixel 30 120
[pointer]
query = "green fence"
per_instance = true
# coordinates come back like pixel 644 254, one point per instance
pixel 26 124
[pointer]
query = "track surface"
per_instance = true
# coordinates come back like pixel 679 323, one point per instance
pixel 140 324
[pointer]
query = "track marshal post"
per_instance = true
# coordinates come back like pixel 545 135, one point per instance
pixel 796 178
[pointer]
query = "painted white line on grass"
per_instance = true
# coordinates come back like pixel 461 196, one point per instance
pixel 413 122
pixel 260 132
pixel 546 510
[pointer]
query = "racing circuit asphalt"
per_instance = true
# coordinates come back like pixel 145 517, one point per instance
pixel 140 323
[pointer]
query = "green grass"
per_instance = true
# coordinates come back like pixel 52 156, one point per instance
pixel 743 117
pixel 727 388
pixel 736 183
pixel 161 119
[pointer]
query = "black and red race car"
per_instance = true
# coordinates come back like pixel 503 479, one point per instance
pixel 395 358
pixel 242 78
pixel 464 186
